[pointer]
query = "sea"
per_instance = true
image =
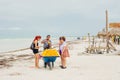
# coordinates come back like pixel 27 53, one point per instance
pixel 11 44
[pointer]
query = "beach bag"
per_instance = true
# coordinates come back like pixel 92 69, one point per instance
pixel 32 46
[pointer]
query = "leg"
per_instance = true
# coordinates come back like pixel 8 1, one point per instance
pixel 45 62
pixel 37 60
pixel 52 64
pixel 49 65
pixel 64 62
pixel 61 60
pixel 45 65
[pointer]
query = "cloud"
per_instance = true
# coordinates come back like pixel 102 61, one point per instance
pixel 25 9
pixel 48 7
pixel 15 28
pixel 10 29
pixel 68 16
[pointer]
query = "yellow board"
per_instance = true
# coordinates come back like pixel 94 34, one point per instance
pixel 50 53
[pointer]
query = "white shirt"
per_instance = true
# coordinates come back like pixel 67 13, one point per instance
pixel 62 46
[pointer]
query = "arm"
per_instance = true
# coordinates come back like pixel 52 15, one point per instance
pixel 43 41
pixel 50 44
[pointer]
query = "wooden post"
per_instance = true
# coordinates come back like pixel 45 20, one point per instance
pixel 107 36
pixel 106 21
pixel 108 44
pixel 89 38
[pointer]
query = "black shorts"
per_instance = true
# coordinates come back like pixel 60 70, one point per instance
pixel 60 52
pixel 35 51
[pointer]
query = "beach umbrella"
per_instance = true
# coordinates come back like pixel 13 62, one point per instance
pixel 50 53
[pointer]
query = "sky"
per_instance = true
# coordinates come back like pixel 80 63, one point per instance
pixel 27 18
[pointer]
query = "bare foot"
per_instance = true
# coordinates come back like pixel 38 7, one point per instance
pixel 37 67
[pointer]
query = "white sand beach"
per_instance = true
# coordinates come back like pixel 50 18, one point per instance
pixel 88 30
pixel 19 66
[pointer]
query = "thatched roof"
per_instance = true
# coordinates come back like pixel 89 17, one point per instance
pixel 114 25
pixel 115 31
pixel 102 33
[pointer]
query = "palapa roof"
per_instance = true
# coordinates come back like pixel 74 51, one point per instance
pixel 115 31
pixel 114 25
pixel 102 33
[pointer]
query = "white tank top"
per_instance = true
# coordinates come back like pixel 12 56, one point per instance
pixel 62 46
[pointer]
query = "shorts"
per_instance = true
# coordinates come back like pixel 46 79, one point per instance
pixel 35 51
pixel 60 52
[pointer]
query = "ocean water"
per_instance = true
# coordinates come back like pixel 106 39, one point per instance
pixel 21 43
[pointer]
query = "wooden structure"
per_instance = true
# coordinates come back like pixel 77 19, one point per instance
pixel 99 49
pixel 115 32
pixel 101 34
pixel 114 25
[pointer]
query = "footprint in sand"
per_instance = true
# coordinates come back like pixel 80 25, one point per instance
pixel 15 74
pixel 76 67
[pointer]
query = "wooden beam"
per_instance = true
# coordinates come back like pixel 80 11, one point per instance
pixel 106 21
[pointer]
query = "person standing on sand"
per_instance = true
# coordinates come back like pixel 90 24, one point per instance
pixel 36 50
pixel 63 50
pixel 47 44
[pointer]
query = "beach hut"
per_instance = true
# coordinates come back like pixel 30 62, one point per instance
pixel 112 32
pixel 115 29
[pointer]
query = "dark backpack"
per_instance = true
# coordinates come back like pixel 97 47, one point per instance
pixel 32 46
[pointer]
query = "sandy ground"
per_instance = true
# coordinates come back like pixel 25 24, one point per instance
pixel 80 67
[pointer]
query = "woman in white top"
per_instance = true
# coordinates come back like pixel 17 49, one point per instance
pixel 63 50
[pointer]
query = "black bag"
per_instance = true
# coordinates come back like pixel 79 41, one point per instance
pixel 32 46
